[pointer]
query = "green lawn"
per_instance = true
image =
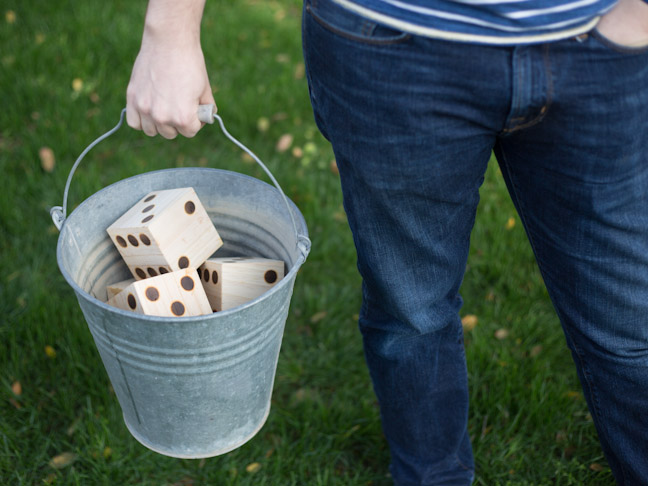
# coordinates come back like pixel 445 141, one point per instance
pixel 64 67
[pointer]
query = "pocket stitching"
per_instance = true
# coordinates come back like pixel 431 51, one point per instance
pixel 404 36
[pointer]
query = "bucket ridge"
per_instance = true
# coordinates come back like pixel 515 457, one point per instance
pixel 217 358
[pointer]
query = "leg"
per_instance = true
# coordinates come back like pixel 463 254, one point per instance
pixel 579 178
pixel 412 139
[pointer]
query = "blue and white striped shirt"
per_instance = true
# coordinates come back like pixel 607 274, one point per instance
pixel 486 21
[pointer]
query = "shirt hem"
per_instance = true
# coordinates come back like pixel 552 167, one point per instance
pixel 466 37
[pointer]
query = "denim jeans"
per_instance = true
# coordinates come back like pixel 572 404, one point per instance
pixel 413 122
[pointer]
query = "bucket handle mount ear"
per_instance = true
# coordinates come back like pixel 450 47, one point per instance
pixel 206 114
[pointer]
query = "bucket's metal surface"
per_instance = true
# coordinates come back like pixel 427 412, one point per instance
pixel 188 387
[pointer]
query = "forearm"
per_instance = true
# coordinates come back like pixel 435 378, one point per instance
pixel 169 78
pixel 174 22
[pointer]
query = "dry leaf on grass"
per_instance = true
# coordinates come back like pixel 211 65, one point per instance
pixel 501 334
pixel 284 143
pixel 77 84
pixel 252 468
pixel 300 71
pixel 315 318
pixel 16 388
pixel 50 351
pixel 62 460
pixel 510 224
pixel 47 160
pixel 334 168
pixel 263 124
pixel 468 322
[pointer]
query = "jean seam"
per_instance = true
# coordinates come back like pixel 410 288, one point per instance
pixel 398 39
pixel 461 464
pixel 587 375
pixel 602 429
pixel 568 332
pixel 547 104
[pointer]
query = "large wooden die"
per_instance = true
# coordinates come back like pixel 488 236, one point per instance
pixel 230 282
pixel 114 289
pixel 165 231
pixel 174 294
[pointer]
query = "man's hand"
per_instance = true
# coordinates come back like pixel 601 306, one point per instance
pixel 626 24
pixel 169 78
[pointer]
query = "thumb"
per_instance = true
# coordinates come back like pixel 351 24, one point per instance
pixel 207 97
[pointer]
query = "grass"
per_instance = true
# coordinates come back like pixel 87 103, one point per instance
pixel 529 422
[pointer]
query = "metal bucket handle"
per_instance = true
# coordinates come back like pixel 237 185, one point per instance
pixel 206 114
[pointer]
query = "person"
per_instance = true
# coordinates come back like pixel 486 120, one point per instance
pixel 414 95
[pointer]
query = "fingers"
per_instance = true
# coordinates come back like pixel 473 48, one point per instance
pixel 132 117
pixel 151 127
pixel 189 125
pixel 152 123
pixel 168 132
pixel 164 118
pixel 192 124
pixel 148 125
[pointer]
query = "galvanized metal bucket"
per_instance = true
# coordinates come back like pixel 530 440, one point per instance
pixel 189 387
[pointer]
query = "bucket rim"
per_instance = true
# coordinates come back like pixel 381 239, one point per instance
pixel 286 280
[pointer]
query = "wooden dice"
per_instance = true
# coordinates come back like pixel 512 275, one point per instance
pixel 114 289
pixel 165 231
pixel 174 294
pixel 230 282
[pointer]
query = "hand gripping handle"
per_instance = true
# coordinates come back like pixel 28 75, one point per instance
pixel 206 114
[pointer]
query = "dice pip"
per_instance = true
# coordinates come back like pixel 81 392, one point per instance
pixel 174 294
pixel 230 282
pixel 165 231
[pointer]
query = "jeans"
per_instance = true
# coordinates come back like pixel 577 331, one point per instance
pixel 413 122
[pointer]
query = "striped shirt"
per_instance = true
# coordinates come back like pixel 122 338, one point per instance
pixel 486 21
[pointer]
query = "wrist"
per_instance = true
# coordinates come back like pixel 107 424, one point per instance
pixel 173 22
